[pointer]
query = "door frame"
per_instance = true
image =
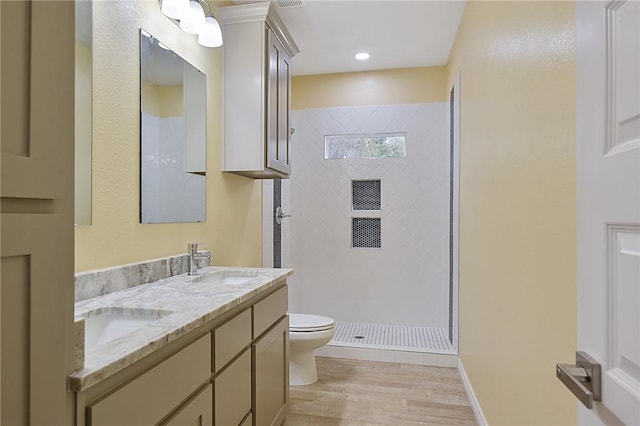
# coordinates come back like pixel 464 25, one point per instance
pixel 454 211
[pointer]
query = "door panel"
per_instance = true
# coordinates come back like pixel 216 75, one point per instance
pixel 608 209
pixel 36 259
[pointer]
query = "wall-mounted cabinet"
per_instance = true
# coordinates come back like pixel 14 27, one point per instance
pixel 257 91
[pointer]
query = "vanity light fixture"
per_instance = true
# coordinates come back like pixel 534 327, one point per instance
pixel 193 20
pixel 362 56
pixel 174 9
pixel 211 34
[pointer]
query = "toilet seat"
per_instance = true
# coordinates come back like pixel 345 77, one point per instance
pixel 305 323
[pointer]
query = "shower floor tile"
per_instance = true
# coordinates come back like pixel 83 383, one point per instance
pixel 392 337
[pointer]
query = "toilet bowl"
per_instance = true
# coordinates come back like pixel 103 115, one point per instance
pixel 306 334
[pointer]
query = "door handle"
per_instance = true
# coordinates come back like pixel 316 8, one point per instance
pixel 582 379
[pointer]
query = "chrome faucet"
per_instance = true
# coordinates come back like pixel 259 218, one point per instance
pixel 192 268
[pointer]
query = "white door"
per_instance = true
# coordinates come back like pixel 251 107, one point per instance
pixel 608 208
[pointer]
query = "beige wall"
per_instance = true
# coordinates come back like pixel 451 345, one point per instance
pixel 162 101
pixel 399 86
pixel 517 214
pixel 233 226
pixel 82 133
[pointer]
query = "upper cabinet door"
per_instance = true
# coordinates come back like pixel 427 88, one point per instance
pixel 278 97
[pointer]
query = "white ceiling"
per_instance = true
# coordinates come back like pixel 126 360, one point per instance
pixel 397 33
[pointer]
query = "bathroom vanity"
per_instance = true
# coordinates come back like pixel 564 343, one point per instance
pixel 212 350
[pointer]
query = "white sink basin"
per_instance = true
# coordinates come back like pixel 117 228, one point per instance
pixel 226 277
pixel 107 324
pixel 236 279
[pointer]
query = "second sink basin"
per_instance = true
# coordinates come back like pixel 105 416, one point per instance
pixel 106 324
pixel 225 277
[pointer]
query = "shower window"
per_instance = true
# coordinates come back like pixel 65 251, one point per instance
pixel 365 146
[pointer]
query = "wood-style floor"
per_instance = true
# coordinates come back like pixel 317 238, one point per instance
pixel 353 392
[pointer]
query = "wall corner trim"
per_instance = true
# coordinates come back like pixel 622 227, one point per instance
pixel 477 410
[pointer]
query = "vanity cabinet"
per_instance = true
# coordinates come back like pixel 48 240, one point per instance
pixel 231 371
pixel 257 91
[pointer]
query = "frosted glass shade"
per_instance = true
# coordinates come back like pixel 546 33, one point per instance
pixel 174 8
pixel 211 34
pixel 193 20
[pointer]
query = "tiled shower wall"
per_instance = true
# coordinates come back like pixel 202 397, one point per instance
pixel 405 282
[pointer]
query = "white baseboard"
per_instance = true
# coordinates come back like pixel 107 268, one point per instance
pixel 477 410
pixel 367 354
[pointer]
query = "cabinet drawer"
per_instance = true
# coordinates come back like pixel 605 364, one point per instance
pixel 166 385
pixel 269 310
pixel 231 338
pixel 198 411
pixel 233 392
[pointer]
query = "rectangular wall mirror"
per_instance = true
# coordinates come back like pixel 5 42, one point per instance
pixel 83 89
pixel 172 137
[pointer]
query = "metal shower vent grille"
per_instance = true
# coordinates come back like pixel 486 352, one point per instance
pixel 283 4
pixel 366 232
pixel 366 194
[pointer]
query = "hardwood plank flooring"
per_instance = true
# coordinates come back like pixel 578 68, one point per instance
pixel 354 392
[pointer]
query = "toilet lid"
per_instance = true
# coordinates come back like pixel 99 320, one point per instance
pixel 306 322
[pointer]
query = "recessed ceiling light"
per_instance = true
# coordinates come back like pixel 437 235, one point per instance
pixel 362 56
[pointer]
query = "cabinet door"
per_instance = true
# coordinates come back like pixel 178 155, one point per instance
pixel 278 98
pixel 284 101
pixel 197 412
pixel 271 375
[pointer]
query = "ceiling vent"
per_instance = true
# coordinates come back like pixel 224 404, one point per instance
pixel 284 4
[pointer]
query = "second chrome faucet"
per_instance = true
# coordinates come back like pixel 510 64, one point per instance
pixel 194 255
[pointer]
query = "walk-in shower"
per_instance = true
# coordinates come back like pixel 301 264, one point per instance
pixel 370 236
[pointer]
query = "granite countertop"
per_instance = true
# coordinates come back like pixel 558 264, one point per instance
pixel 187 302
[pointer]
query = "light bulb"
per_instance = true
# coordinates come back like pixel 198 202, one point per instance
pixel 362 56
pixel 211 34
pixel 193 19
pixel 174 8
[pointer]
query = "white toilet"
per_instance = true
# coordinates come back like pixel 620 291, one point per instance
pixel 306 334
